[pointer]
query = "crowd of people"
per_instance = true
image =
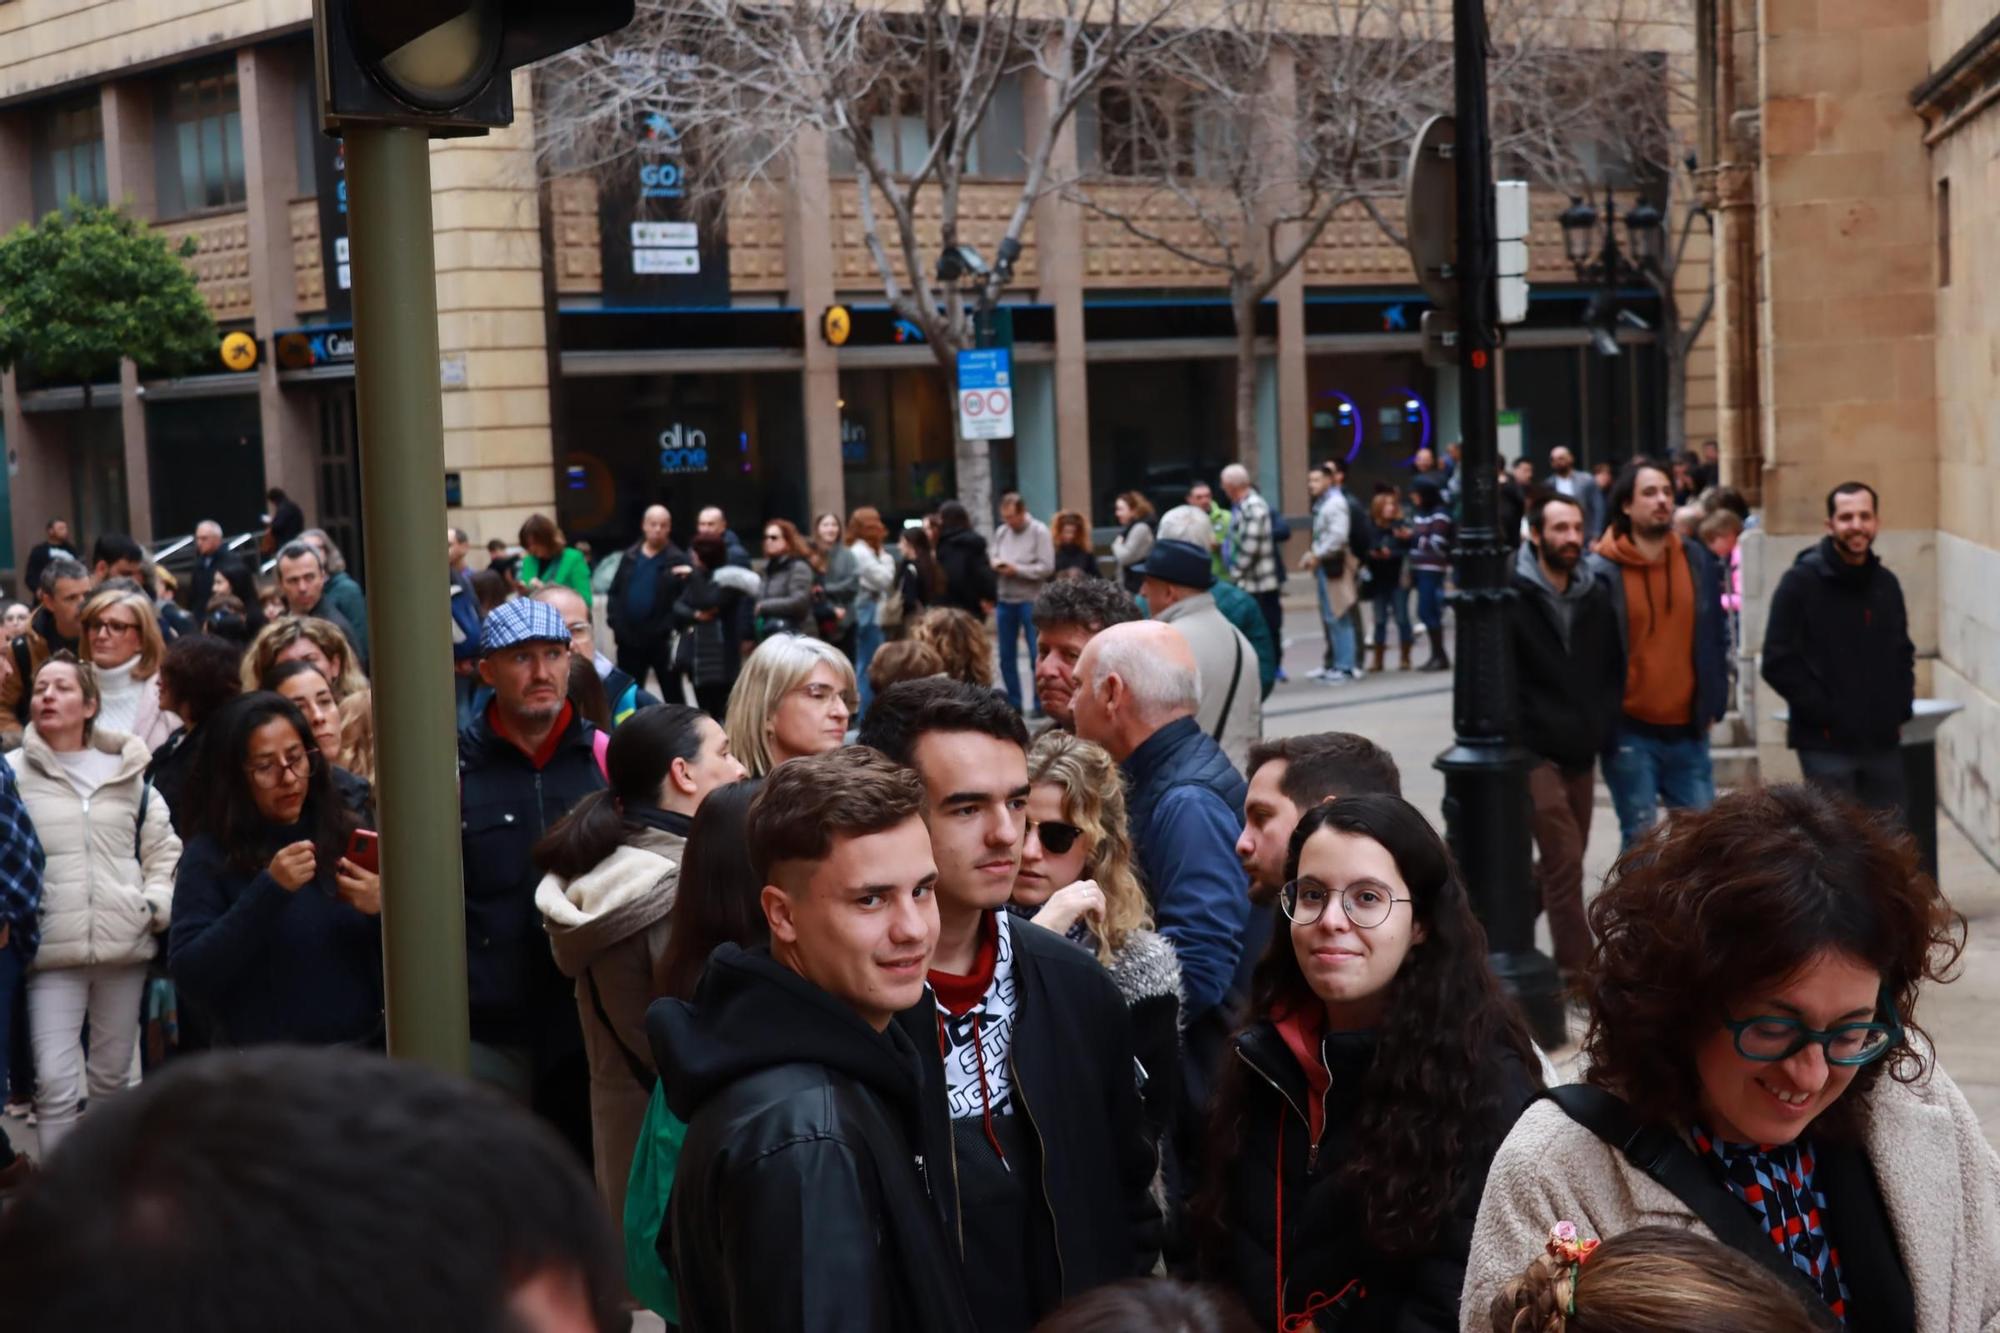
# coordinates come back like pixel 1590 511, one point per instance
pixel 879 988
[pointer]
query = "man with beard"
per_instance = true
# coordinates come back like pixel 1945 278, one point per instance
pixel 1069 613
pixel 1667 600
pixel 1564 479
pixel 1837 646
pixel 1565 641
pixel 1290 776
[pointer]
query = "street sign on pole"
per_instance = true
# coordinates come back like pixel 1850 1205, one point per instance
pixel 986 394
pixel 1430 211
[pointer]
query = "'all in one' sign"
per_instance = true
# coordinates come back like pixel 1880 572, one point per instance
pixel 986 395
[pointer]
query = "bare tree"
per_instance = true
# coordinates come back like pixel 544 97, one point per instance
pixel 746 81
pixel 1278 119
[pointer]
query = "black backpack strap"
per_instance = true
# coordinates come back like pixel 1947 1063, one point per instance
pixel 1229 700
pixel 640 1072
pixel 1662 1155
pixel 139 825
pixel 22 659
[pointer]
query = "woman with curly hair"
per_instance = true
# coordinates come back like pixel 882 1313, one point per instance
pixel 1380 1070
pixel 1650 1280
pixel 1078 878
pixel 1756 1072
pixel 959 639
pixel 1072 542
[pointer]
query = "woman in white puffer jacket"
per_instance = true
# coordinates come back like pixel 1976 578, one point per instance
pixel 107 891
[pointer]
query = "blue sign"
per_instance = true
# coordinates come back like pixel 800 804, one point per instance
pixel 986 394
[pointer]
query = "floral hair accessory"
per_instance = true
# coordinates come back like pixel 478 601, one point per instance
pixel 1567 1250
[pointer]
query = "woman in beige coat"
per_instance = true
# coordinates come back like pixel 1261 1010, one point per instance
pixel 107 891
pixel 611 867
pixel 1753 1008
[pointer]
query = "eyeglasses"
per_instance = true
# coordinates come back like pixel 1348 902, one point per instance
pixel 1768 1039
pixel 1056 838
pixel 270 772
pixel 112 627
pixel 1304 902
pixel 820 692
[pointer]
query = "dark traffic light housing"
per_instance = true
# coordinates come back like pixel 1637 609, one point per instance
pixel 442 64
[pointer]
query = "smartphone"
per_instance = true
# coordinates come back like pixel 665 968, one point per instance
pixel 364 849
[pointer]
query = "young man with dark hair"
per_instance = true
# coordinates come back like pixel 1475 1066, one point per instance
pixel 1673 664
pixel 1837 647
pixel 1024 558
pixel 1068 614
pixel 56 544
pixel 1052 1168
pixel 116 556
pixel 813 1184
pixel 1565 645
pixel 317 1191
pixel 1290 776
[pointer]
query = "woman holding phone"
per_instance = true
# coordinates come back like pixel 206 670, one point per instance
pixel 278 930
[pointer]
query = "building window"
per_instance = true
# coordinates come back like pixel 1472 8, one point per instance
pixel 205 134
pixel 1944 233
pixel 1158 132
pixel 902 141
pixel 70 155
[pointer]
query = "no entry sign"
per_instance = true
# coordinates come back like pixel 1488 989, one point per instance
pixel 986 395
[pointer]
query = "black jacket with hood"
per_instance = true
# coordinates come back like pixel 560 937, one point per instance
pixel 1837 646
pixel 1077 1085
pixel 969 581
pixel 1567 661
pixel 802 1199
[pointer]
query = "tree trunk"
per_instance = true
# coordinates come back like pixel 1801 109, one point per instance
pixel 1246 383
pixel 975 473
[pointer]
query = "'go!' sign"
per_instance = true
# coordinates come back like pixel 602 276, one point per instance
pixel 239 351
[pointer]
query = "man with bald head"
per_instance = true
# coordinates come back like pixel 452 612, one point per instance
pixel 1565 480
pixel 640 609
pixel 1137 693
pixel 208 553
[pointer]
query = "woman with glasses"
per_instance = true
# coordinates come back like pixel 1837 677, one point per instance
pixel 1753 1034
pixel 1381 1069
pixel 277 934
pixel 795 697
pixel 784 605
pixel 1078 878
pixel 310 692
pixel 122 636
pixel 107 891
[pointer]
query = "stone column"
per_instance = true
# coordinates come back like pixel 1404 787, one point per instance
pixel 809 287
pixel 267 81
pixel 128 168
pixel 486 224
pixel 37 467
pixel 1058 225
pixel 1294 414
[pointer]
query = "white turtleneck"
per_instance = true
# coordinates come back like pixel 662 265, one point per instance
pixel 119 695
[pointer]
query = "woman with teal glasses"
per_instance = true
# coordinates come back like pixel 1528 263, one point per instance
pixel 1754 1072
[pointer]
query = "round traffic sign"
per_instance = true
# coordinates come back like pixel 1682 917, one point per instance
pixel 996 401
pixel 974 404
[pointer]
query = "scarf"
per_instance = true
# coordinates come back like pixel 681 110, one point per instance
pixel 1776 1182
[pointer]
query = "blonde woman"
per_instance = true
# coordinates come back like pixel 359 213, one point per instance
pixel 959 639
pixel 320 642
pixel 793 698
pixel 1078 878
pixel 121 634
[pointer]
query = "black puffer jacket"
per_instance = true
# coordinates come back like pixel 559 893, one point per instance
pixel 1277 1177
pixel 969 582
pixel 1075 1078
pixel 802 1196
pixel 1837 646
pixel 711 651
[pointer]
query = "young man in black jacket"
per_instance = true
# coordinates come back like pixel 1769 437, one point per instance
pixel 1568 689
pixel 1028 1040
pixel 1837 646
pixel 804 1192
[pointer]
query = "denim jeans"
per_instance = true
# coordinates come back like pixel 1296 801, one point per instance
pixel 867 639
pixel 1643 771
pixel 1394 598
pixel 1340 636
pixel 1873 779
pixel 1430 601
pixel 1013 617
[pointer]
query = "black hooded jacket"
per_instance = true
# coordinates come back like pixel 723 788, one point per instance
pixel 969 581
pixel 1837 647
pixel 1567 664
pixel 802 1196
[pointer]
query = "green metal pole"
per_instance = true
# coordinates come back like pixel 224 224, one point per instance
pixel 402 503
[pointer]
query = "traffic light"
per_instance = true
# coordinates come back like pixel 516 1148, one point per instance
pixel 442 64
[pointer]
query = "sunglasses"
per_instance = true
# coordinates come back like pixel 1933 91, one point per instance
pixel 1056 838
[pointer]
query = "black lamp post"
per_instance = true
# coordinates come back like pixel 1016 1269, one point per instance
pixel 1610 269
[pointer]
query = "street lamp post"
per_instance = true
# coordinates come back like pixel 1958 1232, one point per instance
pixel 1486 806
pixel 1609 269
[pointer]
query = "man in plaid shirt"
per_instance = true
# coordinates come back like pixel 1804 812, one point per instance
pixel 20 933
pixel 1253 554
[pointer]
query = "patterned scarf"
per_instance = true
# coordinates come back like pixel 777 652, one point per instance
pixel 1777 1183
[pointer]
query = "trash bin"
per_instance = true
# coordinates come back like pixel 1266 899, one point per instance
pixel 1919 741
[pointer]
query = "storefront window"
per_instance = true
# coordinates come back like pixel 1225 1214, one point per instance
pixel 1375 410
pixel 1158 426
pixel 896 440
pixel 205 459
pixel 684 441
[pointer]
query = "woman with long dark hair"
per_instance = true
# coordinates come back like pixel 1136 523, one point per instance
pixel 197 677
pixel 276 933
pixel 232 578
pixel 784 604
pixel 717 904
pixel 918 574
pixel 1754 1071
pixel 1380 1071
pixel 611 871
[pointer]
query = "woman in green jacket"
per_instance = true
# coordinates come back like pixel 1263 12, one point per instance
pixel 550 560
